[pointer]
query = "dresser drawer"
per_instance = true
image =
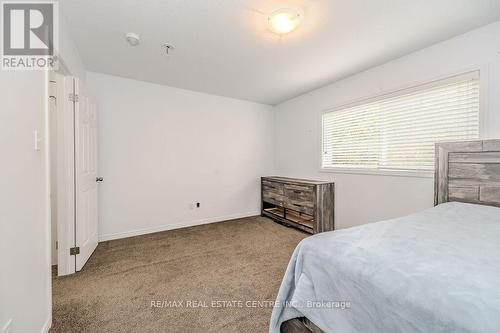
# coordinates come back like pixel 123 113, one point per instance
pixel 274 198
pixel 299 206
pixel 300 193
pixel 272 187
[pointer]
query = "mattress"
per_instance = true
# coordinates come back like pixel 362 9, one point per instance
pixel 434 271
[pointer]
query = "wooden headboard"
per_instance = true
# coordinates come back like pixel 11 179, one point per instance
pixel 468 172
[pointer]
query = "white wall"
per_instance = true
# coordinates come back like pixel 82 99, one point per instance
pixel 162 148
pixel 24 229
pixel 68 52
pixel 367 198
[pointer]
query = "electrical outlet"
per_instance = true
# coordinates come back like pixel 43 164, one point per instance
pixel 197 205
pixel 7 328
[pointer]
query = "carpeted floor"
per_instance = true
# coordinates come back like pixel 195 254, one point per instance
pixel 182 272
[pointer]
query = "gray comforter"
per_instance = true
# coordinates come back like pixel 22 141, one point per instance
pixel 434 271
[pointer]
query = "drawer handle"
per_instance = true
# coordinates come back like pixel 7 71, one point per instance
pixel 297 205
pixel 297 191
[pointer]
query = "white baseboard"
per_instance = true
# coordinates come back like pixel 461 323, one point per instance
pixel 47 325
pixel 166 227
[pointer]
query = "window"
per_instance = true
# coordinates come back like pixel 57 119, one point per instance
pixel 398 131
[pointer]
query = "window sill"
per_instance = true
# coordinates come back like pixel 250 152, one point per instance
pixel 381 172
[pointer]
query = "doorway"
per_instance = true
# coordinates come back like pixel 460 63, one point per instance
pixel 73 173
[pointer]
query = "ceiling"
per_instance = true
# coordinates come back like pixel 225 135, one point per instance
pixel 223 47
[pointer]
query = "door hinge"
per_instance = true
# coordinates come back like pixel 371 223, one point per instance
pixel 73 97
pixel 74 251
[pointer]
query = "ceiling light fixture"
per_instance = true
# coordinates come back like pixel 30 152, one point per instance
pixel 133 39
pixel 284 20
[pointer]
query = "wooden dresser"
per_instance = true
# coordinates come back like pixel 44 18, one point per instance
pixel 304 204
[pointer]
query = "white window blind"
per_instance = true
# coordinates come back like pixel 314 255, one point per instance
pixel 398 131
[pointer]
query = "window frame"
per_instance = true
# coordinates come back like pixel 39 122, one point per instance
pixel 481 75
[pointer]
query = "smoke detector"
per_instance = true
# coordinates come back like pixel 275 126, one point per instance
pixel 167 48
pixel 133 39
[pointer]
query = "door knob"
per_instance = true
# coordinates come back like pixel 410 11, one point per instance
pixel 99 179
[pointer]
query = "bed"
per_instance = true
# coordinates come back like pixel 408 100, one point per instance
pixel 434 271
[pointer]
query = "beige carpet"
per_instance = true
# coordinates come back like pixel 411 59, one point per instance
pixel 231 262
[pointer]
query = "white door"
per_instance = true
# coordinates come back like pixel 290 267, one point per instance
pixel 65 173
pixel 86 179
